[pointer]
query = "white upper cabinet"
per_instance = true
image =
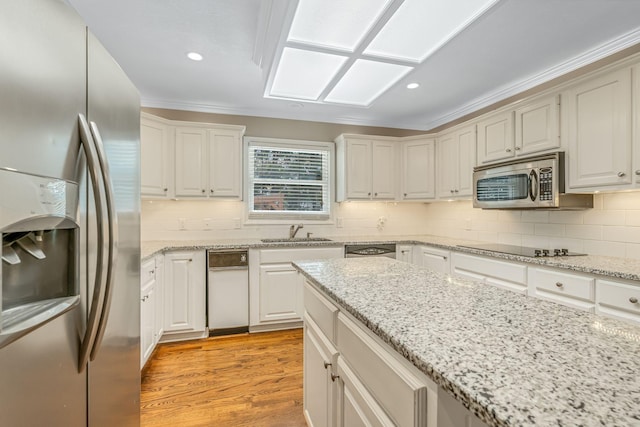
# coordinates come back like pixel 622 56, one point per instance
pixel 209 161
pixel 191 162
pixel 456 154
pixel 496 137
pixel 537 126
pixel 636 121
pixel 596 117
pixel 225 163
pixel 366 168
pixel 418 168
pixel 156 160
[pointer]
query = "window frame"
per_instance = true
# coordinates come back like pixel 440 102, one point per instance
pixel 278 217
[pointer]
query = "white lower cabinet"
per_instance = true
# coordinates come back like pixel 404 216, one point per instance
pixel 319 380
pixel 353 378
pixel 404 253
pixel 503 274
pixel 436 259
pixel 151 305
pixel 275 296
pixel 356 407
pixel 572 290
pixel 185 291
pixel 618 299
pixel 452 413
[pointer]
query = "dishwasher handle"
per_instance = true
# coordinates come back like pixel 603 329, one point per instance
pixel 236 267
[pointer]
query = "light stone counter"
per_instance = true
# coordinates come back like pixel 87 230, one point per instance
pixel 623 268
pixel 512 360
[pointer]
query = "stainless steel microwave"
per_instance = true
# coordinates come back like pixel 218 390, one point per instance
pixel 527 183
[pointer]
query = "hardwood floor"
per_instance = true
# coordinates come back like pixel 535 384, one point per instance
pixel 240 380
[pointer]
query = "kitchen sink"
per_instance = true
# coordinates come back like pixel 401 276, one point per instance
pixel 297 239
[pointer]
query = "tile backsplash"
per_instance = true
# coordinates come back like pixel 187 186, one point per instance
pixel 611 228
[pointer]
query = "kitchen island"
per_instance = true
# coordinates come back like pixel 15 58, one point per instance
pixel 510 359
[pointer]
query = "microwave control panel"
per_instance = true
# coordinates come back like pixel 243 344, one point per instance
pixel 546 183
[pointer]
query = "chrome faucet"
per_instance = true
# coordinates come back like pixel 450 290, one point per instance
pixel 294 229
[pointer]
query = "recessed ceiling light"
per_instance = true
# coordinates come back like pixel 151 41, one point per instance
pixel 413 85
pixel 194 56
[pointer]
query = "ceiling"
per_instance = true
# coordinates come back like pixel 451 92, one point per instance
pixel 512 47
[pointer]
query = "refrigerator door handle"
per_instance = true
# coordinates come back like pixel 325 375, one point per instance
pixel 112 222
pixel 97 301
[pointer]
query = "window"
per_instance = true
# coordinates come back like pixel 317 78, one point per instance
pixel 289 179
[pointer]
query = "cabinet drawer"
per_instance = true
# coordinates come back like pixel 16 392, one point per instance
pixel 147 271
pixel 299 254
pixel 618 299
pixel 563 287
pixel 320 310
pixel 399 391
pixel 508 271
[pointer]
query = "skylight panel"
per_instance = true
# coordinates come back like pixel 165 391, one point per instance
pixel 420 27
pixel 303 74
pixel 337 24
pixel 365 81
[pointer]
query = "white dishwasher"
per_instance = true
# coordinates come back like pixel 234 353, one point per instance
pixel 228 292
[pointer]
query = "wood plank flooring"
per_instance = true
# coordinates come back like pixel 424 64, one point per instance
pixel 241 380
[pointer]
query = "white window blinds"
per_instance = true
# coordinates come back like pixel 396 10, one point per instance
pixel 288 181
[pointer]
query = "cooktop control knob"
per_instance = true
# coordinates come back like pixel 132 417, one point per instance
pixel 537 252
pixel 556 252
pixel 565 251
pixel 545 252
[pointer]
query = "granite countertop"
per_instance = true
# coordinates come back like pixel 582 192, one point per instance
pixel 512 360
pixel 623 268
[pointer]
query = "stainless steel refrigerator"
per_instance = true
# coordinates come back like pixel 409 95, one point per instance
pixel 69 218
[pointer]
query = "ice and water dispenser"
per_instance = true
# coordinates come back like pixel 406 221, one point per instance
pixel 40 251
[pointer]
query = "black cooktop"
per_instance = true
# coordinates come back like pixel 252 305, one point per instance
pixel 521 250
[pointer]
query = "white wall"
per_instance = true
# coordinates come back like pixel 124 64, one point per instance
pixel 162 220
pixel 611 228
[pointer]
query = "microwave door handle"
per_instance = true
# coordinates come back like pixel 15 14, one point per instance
pixel 98 288
pixel 533 185
pixel 112 226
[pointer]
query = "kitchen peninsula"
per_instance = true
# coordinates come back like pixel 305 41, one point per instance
pixel 510 359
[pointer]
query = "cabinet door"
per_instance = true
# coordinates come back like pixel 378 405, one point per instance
pixel 466 157
pixel 319 358
pixel 383 169
pixel 225 163
pixel 159 298
pixel 495 138
pixel 358 169
pixel 636 133
pixel 184 292
pixel 537 126
pixel 155 159
pixel 447 165
pixel 191 162
pixel 356 406
pixel 418 169
pixel 147 322
pixel 598 117
pixel 280 293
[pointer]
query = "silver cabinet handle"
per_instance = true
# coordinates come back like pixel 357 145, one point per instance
pixel 211 190
pixel 375 194
pixel 405 194
pixel 621 174
pixel 93 165
pixel 334 377
pixel 633 300
pixel 165 190
pixel 455 191
pixel 112 223
pixel 508 150
pixel 368 194
pixel 203 190
pixel 638 172
pixel 451 191
pixel 559 284
pixel 326 365
pixel 517 148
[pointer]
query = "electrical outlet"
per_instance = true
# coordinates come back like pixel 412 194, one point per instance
pixel 206 224
pixel 182 223
pixel 338 222
pixel 467 224
pixel 236 223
